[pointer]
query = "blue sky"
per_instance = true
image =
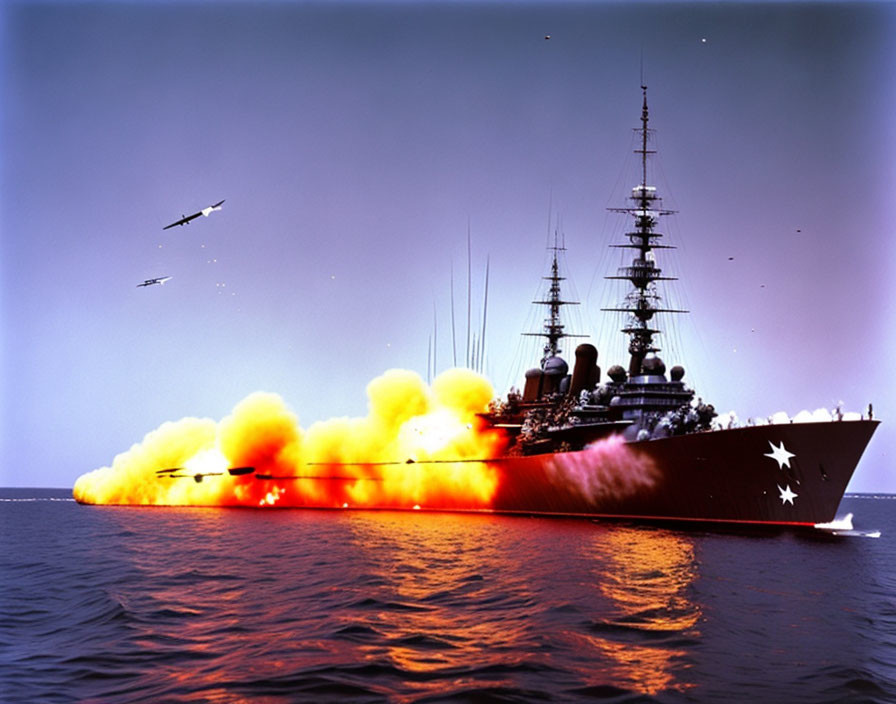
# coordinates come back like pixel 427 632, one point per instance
pixel 357 143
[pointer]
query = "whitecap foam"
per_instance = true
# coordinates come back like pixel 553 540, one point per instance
pixel 844 527
pixel 844 523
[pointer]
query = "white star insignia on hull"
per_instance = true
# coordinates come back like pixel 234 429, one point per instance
pixel 779 455
pixel 787 496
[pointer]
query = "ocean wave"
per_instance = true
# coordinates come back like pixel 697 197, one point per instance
pixel 117 606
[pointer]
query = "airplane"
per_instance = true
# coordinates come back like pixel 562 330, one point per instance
pixel 150 282
pixel 185 220
pixel 171 473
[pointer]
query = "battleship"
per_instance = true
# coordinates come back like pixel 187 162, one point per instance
pixel 636 445
pixel 639 445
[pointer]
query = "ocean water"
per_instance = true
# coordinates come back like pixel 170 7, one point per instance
pixel 112 604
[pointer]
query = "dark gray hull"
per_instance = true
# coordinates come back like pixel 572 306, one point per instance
pixel 779 474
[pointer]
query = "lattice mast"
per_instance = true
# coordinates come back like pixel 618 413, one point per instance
pixel 643 301
pixel 554 330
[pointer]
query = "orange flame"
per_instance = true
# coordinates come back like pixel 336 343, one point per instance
pixel 398 456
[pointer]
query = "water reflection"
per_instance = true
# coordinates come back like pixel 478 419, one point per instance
pixel 220 601
pixel 442 596
pixel 346 604
pixel 648 615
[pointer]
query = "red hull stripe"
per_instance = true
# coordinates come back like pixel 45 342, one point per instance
pixel 680 519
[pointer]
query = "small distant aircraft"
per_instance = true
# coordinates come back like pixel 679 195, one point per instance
pixel 152 282
pixel 171 473
pixel 185 220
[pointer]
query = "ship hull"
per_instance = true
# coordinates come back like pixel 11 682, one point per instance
pixel 790 474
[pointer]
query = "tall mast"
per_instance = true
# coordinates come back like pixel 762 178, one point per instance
pixel 643 301
pixel 553 328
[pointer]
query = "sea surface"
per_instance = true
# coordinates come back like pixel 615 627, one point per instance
pixel 114 604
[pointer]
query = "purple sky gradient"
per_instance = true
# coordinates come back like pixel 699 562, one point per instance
pixel 355 143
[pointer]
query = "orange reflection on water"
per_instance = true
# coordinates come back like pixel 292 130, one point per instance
pixel 437 580
pixel 645 574
pixel 202 609
pixel 403 604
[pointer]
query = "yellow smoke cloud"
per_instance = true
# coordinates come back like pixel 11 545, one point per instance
pixel 263 433
pixel 132 480
pixel 463 391
pixel 325 464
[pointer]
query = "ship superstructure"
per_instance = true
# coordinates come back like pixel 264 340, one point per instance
pixel 640 401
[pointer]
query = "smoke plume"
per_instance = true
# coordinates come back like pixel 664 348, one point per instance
pixel 399 455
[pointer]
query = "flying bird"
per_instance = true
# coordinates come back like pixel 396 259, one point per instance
pixel 185 220
pixel 152 282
